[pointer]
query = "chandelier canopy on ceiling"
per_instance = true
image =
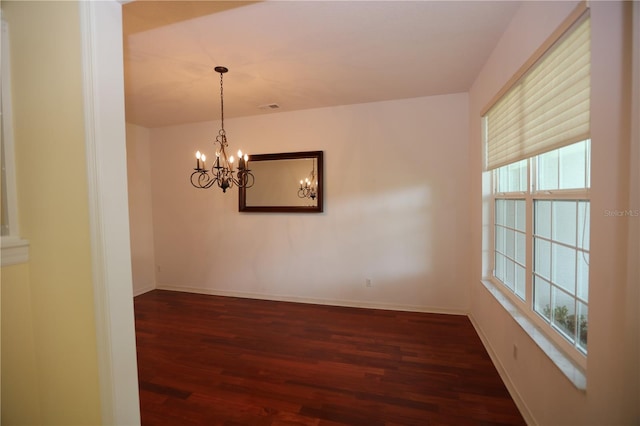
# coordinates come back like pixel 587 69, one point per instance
pixel 222 172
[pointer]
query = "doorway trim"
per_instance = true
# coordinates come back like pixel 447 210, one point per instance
pixel 105 144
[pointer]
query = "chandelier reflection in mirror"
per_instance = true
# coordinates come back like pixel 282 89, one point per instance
pixel 309 186
pixel 222 172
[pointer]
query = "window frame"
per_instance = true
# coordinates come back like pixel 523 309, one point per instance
pixel 14 249
pixel 526 307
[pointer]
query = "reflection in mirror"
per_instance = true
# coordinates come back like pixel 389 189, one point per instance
pixel 287 182
pixel 309 185
pixel 278 183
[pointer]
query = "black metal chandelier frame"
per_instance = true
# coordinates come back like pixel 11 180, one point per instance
pixel 222 172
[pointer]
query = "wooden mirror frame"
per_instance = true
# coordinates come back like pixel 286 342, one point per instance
pixel 317 155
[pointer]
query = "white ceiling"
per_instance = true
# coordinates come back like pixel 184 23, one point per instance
pixel 299 54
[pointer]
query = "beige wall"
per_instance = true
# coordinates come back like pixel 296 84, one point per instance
pixel 55 343
pixel 395 210
pixel 20 402
pixel 612 368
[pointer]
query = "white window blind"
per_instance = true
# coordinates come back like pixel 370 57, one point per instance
pixel 548 107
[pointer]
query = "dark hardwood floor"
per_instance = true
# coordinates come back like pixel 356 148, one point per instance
pixel 208 360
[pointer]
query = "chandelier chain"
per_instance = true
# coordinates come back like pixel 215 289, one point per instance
pixel 221 103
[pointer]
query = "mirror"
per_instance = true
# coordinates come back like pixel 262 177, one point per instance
pixel 290 182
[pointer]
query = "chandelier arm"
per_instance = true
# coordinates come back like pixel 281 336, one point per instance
pixel 244 179
pixel 210 182
pixel 304 192
pixel 193 181
pixel 249 178
pixel 200 179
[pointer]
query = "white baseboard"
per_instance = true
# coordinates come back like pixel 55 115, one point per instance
pixel 314 301
pixel 517 398
pixel 143 290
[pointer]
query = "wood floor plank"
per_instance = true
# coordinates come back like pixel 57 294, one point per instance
pixel 209 360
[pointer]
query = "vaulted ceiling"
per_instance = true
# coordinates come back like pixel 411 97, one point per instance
pixel 299 54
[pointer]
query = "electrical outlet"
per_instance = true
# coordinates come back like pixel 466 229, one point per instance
pixel 367 282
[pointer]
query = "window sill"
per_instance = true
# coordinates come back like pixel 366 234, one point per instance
pixel 14 251
pixel 573 372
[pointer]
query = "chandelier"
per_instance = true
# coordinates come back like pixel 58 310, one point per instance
pixel 222 172
pixel 309 186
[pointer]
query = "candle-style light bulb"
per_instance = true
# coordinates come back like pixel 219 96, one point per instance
pixel 246 158
pixel 198 155
pixel 198 160
pixel 231 160
pixel 240 161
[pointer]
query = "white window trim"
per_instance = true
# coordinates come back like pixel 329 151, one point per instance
pixel 14 249
pixel 575 373
pixel 568 359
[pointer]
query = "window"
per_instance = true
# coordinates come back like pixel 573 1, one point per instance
pixel 14 249
pixel 5 211
pixel 5 137
pixel 553 187
pixel 537 140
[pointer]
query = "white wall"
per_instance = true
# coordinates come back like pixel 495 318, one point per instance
pixel 140 213
pixel 396 209
pixel 612 372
